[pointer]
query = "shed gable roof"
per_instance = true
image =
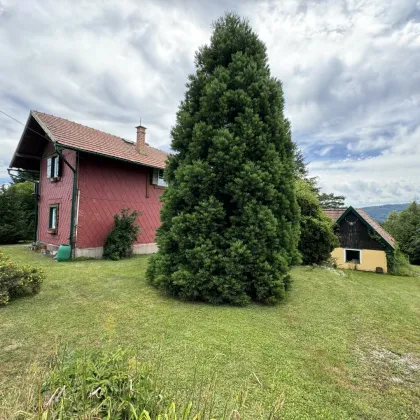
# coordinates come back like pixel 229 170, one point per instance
pixel 80 137
pixel 339 214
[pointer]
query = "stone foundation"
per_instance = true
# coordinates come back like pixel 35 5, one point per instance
pixel 139 249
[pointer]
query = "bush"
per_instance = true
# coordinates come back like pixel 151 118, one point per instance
pixel 114 384
pixel 399 265
pixel 120 240
pixel 17 281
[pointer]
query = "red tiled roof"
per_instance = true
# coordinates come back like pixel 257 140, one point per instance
pixel 379 229
pixel 335 214
pixel 80 137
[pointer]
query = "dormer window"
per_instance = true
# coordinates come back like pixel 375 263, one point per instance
pixel 53 167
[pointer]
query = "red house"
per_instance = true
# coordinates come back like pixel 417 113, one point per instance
pixel 86 176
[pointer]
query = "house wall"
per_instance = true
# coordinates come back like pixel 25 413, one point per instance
pixel 371 258
pixel 107 186
pixel 59 192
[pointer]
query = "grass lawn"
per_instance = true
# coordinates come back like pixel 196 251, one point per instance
pixel 338 347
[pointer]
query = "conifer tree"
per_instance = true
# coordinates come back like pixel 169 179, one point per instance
pixel 230 219
pixel 317 237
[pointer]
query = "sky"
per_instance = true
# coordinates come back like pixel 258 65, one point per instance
pixel 350 72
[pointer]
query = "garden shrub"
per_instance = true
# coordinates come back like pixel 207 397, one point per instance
pixel 115 384
pixel 120 240
pixel 398 264
pixel 18 280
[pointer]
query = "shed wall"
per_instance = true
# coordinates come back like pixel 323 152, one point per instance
pixel 370 260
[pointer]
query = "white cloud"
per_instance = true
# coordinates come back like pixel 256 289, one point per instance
pixel 349 71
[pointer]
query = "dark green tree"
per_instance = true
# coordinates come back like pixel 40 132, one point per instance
pixel 17 213
pixel 331 201
pixel 405 228
pixel 326 201
pixel 317 238
pixel 230 219
pixel 23 176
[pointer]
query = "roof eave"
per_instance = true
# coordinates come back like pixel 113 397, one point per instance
pixel 20 140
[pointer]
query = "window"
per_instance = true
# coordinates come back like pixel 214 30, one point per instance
pixel 53 219
pixel 161 181
pixel 53 167
pixel 353 255
pixel 158 178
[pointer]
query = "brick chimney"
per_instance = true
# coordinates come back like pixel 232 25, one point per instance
pixel 141 138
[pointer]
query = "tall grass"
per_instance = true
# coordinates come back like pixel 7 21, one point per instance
pixel 117 384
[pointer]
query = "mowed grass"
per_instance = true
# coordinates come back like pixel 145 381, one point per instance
pixel 338 347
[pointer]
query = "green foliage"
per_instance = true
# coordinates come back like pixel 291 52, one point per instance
pixel 116 384
pixel 405 228
pixel 23 176
pixel 317 238
pixel 17 213
pixel 398 264
pixel 331 201
pixel 18 280
pixel 230 220
pixel 85 301
pixel 120 240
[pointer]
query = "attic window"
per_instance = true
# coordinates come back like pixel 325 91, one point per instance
pixel 128 141
pixel 353 256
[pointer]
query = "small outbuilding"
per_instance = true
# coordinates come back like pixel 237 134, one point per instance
pixel 364 244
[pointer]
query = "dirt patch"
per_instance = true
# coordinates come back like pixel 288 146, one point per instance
pixel 387 368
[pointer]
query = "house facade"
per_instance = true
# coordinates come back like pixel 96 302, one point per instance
pixel 87 176
pixel 364 244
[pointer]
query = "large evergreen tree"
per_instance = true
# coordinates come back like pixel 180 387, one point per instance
pixel 230 220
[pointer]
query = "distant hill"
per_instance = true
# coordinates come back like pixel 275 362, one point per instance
pixel 380 213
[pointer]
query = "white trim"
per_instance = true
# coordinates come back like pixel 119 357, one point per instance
pixel 351 249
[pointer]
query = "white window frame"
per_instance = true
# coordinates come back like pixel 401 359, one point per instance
pixel 53 167
pixel 161 181
pixel 56 160
pixel 53 217
pixel 158 178
pixel 352 249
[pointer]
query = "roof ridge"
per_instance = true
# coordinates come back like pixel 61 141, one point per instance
pixel 78 136
pixel 82 125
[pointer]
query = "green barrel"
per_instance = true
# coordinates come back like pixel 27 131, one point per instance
pixel 64 252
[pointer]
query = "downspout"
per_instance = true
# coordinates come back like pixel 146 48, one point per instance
pixel 73 196
pixel 36 217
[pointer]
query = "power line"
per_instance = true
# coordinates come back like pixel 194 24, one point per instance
pixel 28 128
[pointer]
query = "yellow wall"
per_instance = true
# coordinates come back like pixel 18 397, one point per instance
pixel 370 260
